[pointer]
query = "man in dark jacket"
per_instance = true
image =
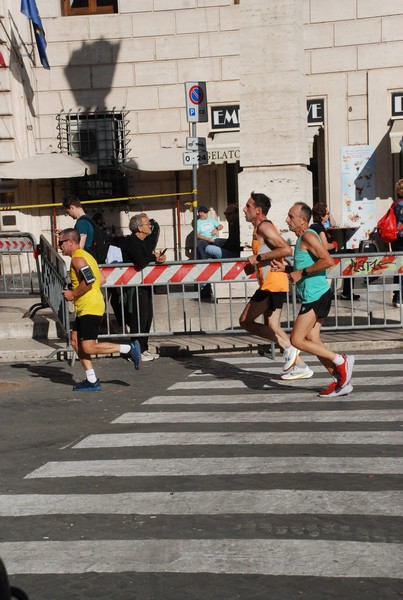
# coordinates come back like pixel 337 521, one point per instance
pixel 139 249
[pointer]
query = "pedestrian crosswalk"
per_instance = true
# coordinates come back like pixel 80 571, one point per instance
pixel 232 472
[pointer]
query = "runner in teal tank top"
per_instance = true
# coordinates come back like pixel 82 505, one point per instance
pixel 311 259
pixel 310 288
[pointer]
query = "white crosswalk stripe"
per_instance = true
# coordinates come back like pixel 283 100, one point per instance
pixel 162 438
pixel 231 501
pixel 265 382
pixel 325 416
pixel 273 369
pixel 273 398
pixel 304 557
pixel 182 467
pixel 205 461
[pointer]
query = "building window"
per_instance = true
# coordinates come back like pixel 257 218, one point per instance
pixel 89 7
pixel 98 138
pixel 7 196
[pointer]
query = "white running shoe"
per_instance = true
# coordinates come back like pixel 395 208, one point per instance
pixel 146 356
pixel 290 356
pixel 337 391
pixel 297 372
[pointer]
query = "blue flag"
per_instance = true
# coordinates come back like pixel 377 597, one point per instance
pixel 30 10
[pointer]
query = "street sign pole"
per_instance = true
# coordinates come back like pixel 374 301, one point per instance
pixel 196 112
pixel 194 198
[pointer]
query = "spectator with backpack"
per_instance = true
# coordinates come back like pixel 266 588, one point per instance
pixel 93 238
pixel 397 245
pixel 84 226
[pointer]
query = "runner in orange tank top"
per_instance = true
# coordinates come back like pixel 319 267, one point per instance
pixel 268 300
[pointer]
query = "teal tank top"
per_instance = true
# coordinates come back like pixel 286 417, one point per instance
pixel 309 288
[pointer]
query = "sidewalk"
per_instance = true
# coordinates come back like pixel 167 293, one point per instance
pixel 35 339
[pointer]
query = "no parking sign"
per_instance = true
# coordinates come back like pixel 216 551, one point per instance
pixel 196 102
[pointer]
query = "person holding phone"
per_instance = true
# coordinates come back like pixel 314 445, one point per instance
pixel 139 249
pixel 85 293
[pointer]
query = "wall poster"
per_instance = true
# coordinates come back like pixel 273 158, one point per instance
pixel 358 192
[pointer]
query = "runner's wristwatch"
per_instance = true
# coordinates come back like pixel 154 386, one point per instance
pixel 259 258
pixel 304 273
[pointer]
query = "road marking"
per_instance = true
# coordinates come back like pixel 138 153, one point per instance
pixel 199 466
pixel 370 359
pixel 271 369
pixel 385 503
pixel 264 416
pixel 268 398
pixel 318 558
pixel 261 382
pixel 178 438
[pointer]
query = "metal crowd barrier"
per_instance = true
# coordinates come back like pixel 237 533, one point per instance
pixel 178 306
pixel 54 281
pixel 176 291
pixel 19 266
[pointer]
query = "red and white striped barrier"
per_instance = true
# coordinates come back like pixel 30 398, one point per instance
pixel 187 272
pixel 16 244
pixel 356 265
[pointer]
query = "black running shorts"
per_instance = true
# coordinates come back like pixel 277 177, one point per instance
pixel 321 307
pixel 274 299
pixel 87 327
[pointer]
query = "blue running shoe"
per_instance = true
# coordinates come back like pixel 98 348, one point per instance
pixel 87 386
pixel 135 355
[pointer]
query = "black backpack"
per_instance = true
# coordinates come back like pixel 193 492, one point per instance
pixel 100 245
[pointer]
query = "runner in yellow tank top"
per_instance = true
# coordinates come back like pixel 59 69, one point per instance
pixel 268 300
pixel 85 293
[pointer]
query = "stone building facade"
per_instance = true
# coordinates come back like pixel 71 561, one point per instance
pixel 115 93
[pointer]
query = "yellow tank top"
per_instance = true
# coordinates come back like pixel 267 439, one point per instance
pixel 272 281
pixel 92 302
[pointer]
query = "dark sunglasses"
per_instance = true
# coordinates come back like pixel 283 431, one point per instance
pixel 61 242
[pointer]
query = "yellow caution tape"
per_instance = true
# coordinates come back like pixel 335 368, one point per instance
pixel 103 201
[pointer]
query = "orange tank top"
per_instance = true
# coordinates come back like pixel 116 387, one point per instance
pixel 272 281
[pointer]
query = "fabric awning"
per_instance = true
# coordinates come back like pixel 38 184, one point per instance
pixel 396 135
pixel 53 165
pixel 224 147
pixel 165 159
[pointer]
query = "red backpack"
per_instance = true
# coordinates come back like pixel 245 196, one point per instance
pixel 387 226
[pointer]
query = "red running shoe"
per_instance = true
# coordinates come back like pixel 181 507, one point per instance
pixel 345 370
pixel 337 391
pixel 329 390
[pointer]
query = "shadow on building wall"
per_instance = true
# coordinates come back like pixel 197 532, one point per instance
pixel 90 74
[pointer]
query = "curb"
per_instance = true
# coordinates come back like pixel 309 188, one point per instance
pixel 35 350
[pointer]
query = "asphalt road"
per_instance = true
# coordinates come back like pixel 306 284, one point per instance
pixel 202 477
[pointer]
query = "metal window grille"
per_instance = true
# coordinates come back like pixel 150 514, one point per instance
pixel 100 138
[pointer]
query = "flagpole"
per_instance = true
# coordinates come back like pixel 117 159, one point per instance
pixel 33 44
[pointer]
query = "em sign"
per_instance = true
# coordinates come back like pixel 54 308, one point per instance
pixel 196 102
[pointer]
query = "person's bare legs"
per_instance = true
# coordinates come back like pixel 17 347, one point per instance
pixel 271 328
pixel 87 348
pixel 305 336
